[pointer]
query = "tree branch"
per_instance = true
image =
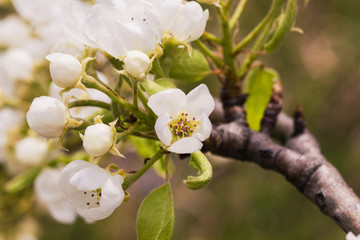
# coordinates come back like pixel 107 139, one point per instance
pixel 300 160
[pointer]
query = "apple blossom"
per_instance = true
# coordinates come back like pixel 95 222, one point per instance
pixel 15 59
pixel 65 69
pixel 136 63
pixel 183 120
pixel 92 190
pixel 47 190
pixel 31 150
pixel 47 116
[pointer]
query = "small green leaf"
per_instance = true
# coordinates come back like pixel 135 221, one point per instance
pixel 144 146
pixel 23 180
pixel 259 88
pixel 188 68
pixel 200 163
pixel 285 23
pixel 155 219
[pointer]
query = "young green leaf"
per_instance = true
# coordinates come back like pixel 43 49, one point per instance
pixel 161 84
pixel 155 220
pixel 23 180
pixel 189 68
pixel 200 163
pixel 285 23
pixel 259 88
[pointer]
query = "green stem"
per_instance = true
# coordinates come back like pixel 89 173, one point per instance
pixel 157 69
pixel 91 82
pixel 135 93
pixel 268 18
pixel 205 50
pixel 237 13
pixel 212 37
pixel 87 103
pixel 129 180
pixel 128 132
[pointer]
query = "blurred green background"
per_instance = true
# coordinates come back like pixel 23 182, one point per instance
pixel 319 69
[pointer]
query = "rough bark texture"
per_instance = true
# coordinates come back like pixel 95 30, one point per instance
pixel 299 159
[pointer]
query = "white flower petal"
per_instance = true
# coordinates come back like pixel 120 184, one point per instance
pixel 112 193
pixel 204 130
pixel 94 214
pixel 46 185
pixel 162 130
pixel 62 211
pixel 89 178
pixel 186 145
pixel 199 101
pixel 170 101
pixel 69 171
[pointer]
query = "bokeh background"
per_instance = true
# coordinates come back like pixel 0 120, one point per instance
pixel 319 69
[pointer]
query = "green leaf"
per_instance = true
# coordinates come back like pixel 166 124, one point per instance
pixel 161 84
pixel 284 23
pixel 155 219
pixel 23 180
pixel 259 88
pixel 200 163
pixel 189 68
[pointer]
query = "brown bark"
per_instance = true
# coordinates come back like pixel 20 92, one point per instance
pixel 299 159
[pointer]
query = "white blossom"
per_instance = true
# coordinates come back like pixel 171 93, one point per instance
pixel 183 120
pixel 13 31
pixel 185 21
pixel 47 190
pixel 47 116
pixel 136 63
pixel 31 150
pixel 93 191
pixel 98 139
pixel 65 69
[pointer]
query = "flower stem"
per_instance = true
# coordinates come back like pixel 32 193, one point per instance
pixel 268 18
pixel 135 93
pixel 212 37
pixel 128 181
pixel 205 50
pixel 93 103
pixel 91 82
pixel 128 132
pixel 237 13
pixel 157 69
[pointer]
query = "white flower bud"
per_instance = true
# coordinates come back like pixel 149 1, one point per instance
pixel 98 139
pixel 17 64
pixel 31 150
pixel 65 69
pixel 47 116
pixel 136 63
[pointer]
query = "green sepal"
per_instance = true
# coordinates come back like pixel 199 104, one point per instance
pixel 284 24
pixel 22 181
pixel 152 87
pixel 200 163
pixel 155 219
pixel 259 88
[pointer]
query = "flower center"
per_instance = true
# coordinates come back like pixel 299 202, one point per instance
pixel 183 126
pixel 92 198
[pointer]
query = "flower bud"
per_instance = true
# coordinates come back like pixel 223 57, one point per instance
pixel 47 116
pixel 65 69
pixel 98 139
pixel 136 63
pixel 31 150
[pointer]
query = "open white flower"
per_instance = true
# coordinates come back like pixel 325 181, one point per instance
pixel 183 120
pixel 65 69
pixel 31 150
pixel 47 116
pixel 47 190
pixel 93 191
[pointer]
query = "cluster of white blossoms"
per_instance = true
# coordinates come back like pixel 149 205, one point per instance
pixel 61 33
pixel 351 236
